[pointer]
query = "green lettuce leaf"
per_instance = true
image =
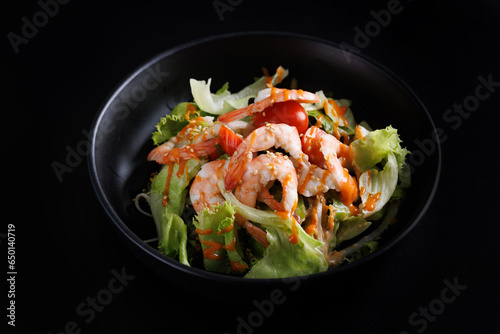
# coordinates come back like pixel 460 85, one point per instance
pixel 181 109
pixel 173 241
pixel 380 159
pixel 223 101
pixel 351 227
pixel 224 87
pixel 375 146
pixel 177 192
pixel 218 237
pixel 170 227
pixel 168 127
pixel 284 259
pixel 341 210
pixel 347 225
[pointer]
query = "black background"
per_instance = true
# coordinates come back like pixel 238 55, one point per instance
pixel 67 250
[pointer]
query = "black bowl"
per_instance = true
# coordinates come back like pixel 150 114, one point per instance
pixel 121 133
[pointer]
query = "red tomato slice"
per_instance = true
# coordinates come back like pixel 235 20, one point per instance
pixel 229 141
pixel 288 112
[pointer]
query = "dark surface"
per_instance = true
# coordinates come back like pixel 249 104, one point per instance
pixel 68 253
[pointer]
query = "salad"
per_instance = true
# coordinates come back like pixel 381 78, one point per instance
pixel 271 182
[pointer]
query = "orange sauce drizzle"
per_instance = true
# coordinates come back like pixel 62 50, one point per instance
pixel 353 209
pixel 283 214
pixel 164 199
pixel 273 93
pixel 362 191
pixel 349 192
pixel 253 139
pixel 286 95
pixel 345 135
pixel 204 232
pixel 336 132
pixel 372 201
pixel 227 229
pixel 311 228
pixel 269 78
pixel 232 245
pixel 187 130
pixel 182 168
pixel 286 181
pixel 319 121
pixel 339 111
pixel 238 266
pixel 210 251
pixel 280 75
pixel 359 134
pixel 294 238
pixel 191 110
pixel 323 178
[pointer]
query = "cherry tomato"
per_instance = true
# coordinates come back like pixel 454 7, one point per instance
pixel 229 141
pixel 288 112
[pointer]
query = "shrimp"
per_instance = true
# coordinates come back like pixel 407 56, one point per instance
pixel 322 149
pixel 204 191
pixel 194 140
pixel 261 139
pixel 264 169
pixel 273 95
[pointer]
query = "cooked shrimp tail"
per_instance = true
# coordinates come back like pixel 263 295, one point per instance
pixel 204 148
pixel 257 233
pixel 265 197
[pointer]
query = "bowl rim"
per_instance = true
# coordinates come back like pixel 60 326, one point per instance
pixel 126 233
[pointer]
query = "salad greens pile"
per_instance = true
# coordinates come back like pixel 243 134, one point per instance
pixel 214 240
